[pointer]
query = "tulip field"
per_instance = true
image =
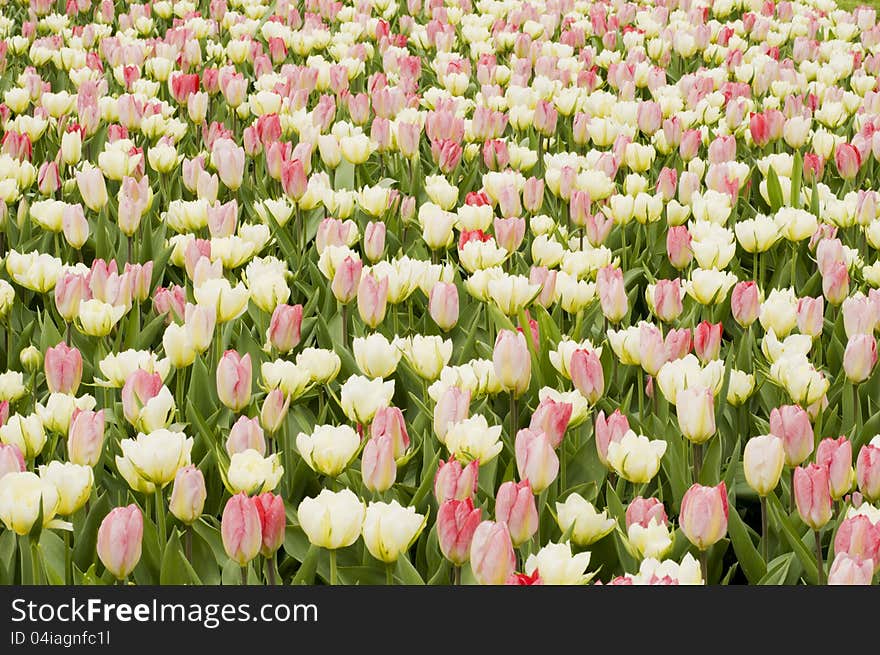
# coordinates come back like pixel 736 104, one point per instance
pixel 439 292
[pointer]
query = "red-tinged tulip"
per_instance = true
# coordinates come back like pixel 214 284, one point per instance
pixel 492 557
pixel 612 294
pixel 846 570
pixel 791 423
pixel 690 144
pixel 859 357
pixel 546 278
pixel 703 517
pixel 848 160
pixel 378 468
pixel 285 327
pixel 695 408
pixel 119 540
pixel 11 459
pixel 509 232
pixel 390 421
pixel 48 179
pixel 372 299
pixel 667 300
pixel 454 481
pixel 868 470
pixel 495 155
pixel 512 361
pixel 811 315
pixel 294 180
pixel 677 343
pixel 678 246
pixel 552 418
pixel 587 375
pixel 246 434
pixel 452 406
pixel 652 349
pixel 241 529
pixel 234 376
pixel 85 437
pixel 536 460
pixel 745 302
pixel 443 305
pixel 607 430
pixel 457 520
pixel 274 410
pixel 273 522
pixel 525 580
pixel 374 240
pixel 835 283
pixel 188 494
pixel 642 510
pixel 63 366
pixel 140 276
pixel 707 340
pixel 139 388
pixel 533 194
pixel 515 507
pixel 812 495
pixel 814 167
pixel 70 290
pixel 346 279
pixel 859 538
pixel 546 116
pixel 836 456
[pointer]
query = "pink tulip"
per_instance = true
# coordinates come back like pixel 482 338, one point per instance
pixel 119 540
pixel 390 421
pixel 745 302
pixel 859 357
pixel 546 278
pixel 612 294
pixel 85 437
pixel 454 481
pixel 222 219
pixel 812 495
pixel 533 194
pixel 443 305
pixel 847 160
pixel 546 116
pixel 63 366
pixel 512 361
pixel 70 290
pixel 678 246
pixel 372 299
pixel 229 160
pixel 137 390
pixel 274 410
pixel 241 529
pixel 11 459
pixel 374 240
pixel 587 375
pixel 285 327
pixel 667 300
pixel 452 407
pixel 667 181
pixel 491 554
pixel 641 510
pixel 273 522
pixel 346 279
pixel 835 283
pixel 811 315
pixel 597 227
pixel 457 521
pixel 677 344
pixel 707 340
pixel 515 507
pixel 509 232
pixel 188 494
pixel 836 456
pixel 378 468
pixel 245 434
pixel 859 538
pixel 703 516
pixel 868 471
pixel 141 276
pixel 791 423
pixel 846 570
pixel 234 380
pixel 552 418
pixel 536 461
pixel 859 315
pixel 48 179
pixel 652 349
pixel 607 430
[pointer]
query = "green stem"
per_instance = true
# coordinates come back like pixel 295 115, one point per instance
pixel 820 566
pixel 456 575
pixel 68 559
pixel 332 566
pixel 389 574
pixel 244 579
pixel 160 520
pixel 765 546
pixel 35 561
pixel 698 461
pixel 704 565
pixel 270 570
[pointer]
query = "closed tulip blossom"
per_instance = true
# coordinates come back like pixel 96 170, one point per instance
pixel 536 460
pixel 241 529
pixel 609 429
pixel 120 540
pixel 836 456
pixel 234 380
pixel 273 522
pixel 695 408
pixel 859 538
pixel 491 555
pixel 512 361
pixel 552 418
pixel 763 460
pixel 859 357
pixel 188 494
pixel 378 468
pixel 812 495
pixel 454 481
pixel 704 512
pixel 791 423
pixel 587 374
pixel 457 521
pixel 847 570
pixel 515 507
pixel 868 470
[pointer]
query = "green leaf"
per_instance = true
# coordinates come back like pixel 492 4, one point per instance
pixel 774 190
pixel 797 172
pixel 86 539
pixel 748 556
pixel 407 572
pixel 807 559
pixel 777 572
pixel 175 567
pixel 306 573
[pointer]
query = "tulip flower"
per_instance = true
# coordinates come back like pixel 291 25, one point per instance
pixel 792 424
pixel 241 530
pixel 846 570
pixel 11 460
pixel 536 460
pixel 703 515
pixel 457 521
pixel 491 554
pixel 378 468
pixel 585 524
pixel 273 521
pixel 63 368
pixel 390 529
pixel 557 566
pixel 512 362
pixel 454 481
pixel 587 374
pixel 836 456
pixel 868 470
pixel 763 460
pixel 812 495
pixel 188 494
pixel 120 540
pixel 234 380
pixel 695 408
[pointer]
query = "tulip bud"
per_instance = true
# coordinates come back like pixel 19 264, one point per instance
pixel 234 380
pixel 31 358
pixel 810 315
pixel 390 421
pixel 457 520
pixel 454 481
pixel 812 495
pixel 378 468
pixel 707 340
pixel 443 305
pixel 346 280
pixel 846 570
pixel 791 423
pixel 374 240
pixel 836 456
pixel 695 408
pixel 536 461
pixel 703 516
pixel 119 540
pixel 745 303
pixel 241 529
pixel 859 357
pixel 868 470
pixel 859 538
pixel 587 374
pixel 188 494
pixel 515 506
pixel 552 418
pixel 11 459
pixel 492 557
pixel 372 299
pixel 274 410
pixel 273 522
pixel 763 459
pixel 607 430
pixel 85 437
pixel 63 367
pixel 512 361
pixel 678 246
pixel 612 294
pixel 246 434
pixel 452 407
